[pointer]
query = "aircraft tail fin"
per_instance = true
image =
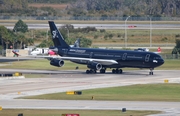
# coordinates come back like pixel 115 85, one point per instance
pixel 58 39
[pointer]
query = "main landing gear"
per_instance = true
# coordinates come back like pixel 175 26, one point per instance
pixel 91 71
pixel 103 70
pixel 151 71
pixel 94 71
pixel 117 71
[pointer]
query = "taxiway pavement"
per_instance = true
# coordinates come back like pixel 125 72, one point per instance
pixel 62 81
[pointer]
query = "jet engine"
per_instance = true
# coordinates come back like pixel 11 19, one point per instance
pixel 94 65
pixel 58 63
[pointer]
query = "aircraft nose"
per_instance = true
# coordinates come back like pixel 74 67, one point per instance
pixel 161 62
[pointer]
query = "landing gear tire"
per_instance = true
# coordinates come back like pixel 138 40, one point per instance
pixel 151 71
pixel 120 71
pixel 103 71
pixel 113 71
pixel 87 71
pixel 117 71
pixel 91 71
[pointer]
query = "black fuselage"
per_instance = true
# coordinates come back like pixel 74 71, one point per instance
pixel 125 58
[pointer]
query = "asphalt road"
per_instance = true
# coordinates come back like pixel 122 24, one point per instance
pixel 62 81
pixel 13 59
pixel 100 26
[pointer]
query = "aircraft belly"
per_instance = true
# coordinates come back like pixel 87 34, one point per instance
pixel 128 63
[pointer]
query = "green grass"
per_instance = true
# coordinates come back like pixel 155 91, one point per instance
pixel 29 112
pixel 138 37
pixel 170 64
pixel 140 92
pixel 43 64
pixel 35 75
pixel 134 36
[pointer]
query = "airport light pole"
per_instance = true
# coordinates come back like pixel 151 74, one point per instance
pixel 150 33
pixel 67 31
pixel 126 31
pixel 47 34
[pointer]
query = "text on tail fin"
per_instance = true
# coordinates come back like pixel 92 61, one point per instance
pixel 58 39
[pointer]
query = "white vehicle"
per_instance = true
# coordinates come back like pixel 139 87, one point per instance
pixel 40 51
pixel 46 51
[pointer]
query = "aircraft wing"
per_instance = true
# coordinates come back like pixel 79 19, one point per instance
pixel 101 61
pixel 83 60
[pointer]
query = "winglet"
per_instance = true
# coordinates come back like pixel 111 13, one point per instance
pixel 76 43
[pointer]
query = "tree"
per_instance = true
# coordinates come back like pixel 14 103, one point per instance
pixel 30 41
pixel 45 43
pixel 4 35
pixel 177 47
pixel 85 42
pixel 20 26
pixel 22 40
pixel 12 37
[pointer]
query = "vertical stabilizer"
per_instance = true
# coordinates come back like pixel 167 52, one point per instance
pixel 56 36
pixel 76 43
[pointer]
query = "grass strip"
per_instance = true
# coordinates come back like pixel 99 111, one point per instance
pixel 30 112
pixel 140 92
pixel 43 64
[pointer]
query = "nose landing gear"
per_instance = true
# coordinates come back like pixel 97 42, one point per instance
pixel 151 71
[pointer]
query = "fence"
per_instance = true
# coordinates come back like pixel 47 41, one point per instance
pixel 165 56
pixel 170 56
pixel 89 18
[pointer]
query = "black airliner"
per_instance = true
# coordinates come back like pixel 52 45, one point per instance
pixel 101 59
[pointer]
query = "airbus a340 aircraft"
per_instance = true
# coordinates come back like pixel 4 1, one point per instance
pixel 101 59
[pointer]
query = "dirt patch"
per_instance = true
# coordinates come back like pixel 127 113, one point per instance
pixel 55 6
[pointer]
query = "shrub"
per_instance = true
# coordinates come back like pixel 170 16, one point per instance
pixel 102 30
pixel 110 36
pixel 178 35
pixel 119 35
pixel 105 37
pixel 96 36
pixel 164 39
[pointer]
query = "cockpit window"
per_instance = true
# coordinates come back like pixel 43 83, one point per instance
pixel 157 58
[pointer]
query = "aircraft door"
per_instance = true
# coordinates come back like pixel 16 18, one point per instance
pixel 90 55
pixel 147 58
pixel 65 51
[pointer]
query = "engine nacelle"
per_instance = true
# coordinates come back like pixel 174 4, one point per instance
pixel 94 65
pixel 58 63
